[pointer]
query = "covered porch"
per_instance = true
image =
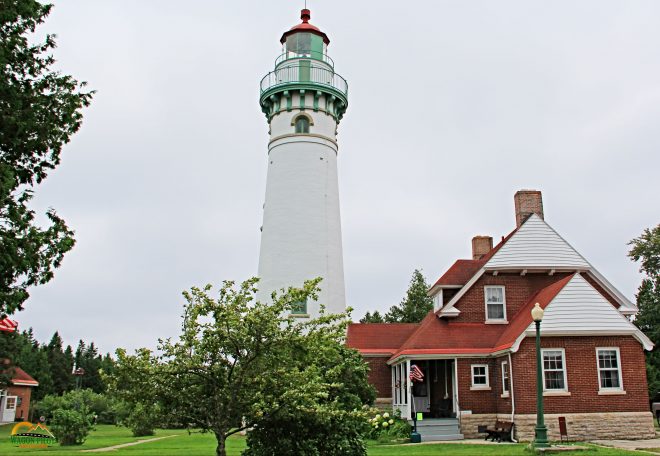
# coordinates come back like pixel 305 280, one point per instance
pixel 436 397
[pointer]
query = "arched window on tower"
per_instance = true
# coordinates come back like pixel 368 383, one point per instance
pixel 302 124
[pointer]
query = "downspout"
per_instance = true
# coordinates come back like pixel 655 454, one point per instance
pixel 513 399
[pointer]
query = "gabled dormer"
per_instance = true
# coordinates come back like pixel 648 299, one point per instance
pixel 531 257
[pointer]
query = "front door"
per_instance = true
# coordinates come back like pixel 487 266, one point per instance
pixel 8 410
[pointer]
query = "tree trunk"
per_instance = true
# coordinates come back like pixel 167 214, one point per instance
pixel 221 449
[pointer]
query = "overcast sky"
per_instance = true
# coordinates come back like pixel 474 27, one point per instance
pixel 453 106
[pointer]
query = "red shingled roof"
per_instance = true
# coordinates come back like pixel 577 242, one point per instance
pixel 22 378
pixel 383 338
pixel 8 325
pixel 462 271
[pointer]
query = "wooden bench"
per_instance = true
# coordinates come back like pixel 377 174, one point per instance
pixel 502 431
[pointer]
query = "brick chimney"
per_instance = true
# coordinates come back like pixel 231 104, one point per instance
pixel 527 202
pixel 481 245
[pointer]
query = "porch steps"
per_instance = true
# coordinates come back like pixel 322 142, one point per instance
pixel 438 429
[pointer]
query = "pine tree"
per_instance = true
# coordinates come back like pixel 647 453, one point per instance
pixel 646 249
pixel 376 317
pixel 59 367
pixel 415 305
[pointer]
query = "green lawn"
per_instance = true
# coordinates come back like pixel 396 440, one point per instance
pixel 204 444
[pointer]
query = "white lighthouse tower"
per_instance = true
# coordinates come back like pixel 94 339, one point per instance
pixel 303 100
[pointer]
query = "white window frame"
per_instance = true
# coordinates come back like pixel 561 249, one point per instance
pixel 505 391
pixel 564 369
pixel 480 386
pixel 495 320
pixel 618 365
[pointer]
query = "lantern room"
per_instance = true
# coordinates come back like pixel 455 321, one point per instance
pixel 305 41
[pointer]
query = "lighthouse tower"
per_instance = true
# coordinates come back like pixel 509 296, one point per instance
pixel 303 99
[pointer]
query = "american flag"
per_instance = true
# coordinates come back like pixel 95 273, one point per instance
pixel 416 374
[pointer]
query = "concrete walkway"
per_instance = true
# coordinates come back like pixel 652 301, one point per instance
pixel 123 445
pixel 629 444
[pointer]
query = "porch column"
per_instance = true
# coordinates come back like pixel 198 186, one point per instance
pixel 409 390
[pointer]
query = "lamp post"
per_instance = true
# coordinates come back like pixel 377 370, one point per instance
pixel 541 432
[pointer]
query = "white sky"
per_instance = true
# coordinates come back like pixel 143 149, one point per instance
pixel 453 106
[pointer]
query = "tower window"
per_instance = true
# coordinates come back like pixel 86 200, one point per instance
pixel 302 124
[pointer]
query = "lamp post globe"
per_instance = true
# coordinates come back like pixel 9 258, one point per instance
pixel 541 432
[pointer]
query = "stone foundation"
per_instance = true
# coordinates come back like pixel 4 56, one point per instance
pixel 590 426
pixel 580 426
pixel 469 424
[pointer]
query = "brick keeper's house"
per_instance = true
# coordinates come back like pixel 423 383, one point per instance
pixel 477 347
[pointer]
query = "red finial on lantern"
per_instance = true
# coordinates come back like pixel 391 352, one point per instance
pixel 305 15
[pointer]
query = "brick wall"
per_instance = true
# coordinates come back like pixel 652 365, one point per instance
pixel 582 376
pixel 518 290
pixel 480 401
pixel 380 375
pixel 24 393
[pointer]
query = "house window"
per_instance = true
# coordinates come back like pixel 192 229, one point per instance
pixel 609 369
pixel 505 378
pixel 480 376
pixel 554 370
pixel 495 304
pixel 299 308
pixel 11 403
pixel 302 124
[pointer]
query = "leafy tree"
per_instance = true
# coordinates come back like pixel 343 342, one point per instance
pixel 414 307
pixel 646 249
pixel 376 317
pixel 242 364
pixel 39 111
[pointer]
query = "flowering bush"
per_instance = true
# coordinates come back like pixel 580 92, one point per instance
pixel 386 426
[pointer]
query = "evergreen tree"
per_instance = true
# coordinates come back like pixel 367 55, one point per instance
pixel 414 307
pixel 59 367
pixel 376 317
pixel 646 249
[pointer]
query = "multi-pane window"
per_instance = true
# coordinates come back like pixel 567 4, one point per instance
pixel 609 368
pixel 479 375
pixel 11 403
pixel 505 378
pixel 299 307
pixel 554 370
pixel 302 124
pixel 495 303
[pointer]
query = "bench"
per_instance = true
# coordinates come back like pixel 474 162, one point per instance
pixel 502 431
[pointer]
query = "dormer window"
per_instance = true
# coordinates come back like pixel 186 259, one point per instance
pixel 495 304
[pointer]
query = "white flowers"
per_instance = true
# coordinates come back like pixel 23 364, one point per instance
pixel 386 415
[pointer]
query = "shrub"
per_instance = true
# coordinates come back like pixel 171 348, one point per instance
pixel 387 426
pixel 103 407
pixel 71 427
pixel 142 419
pixel 311 433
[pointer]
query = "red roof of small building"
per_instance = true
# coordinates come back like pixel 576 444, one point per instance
pixel 305 26
pixel 8 325
pixel 22 378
